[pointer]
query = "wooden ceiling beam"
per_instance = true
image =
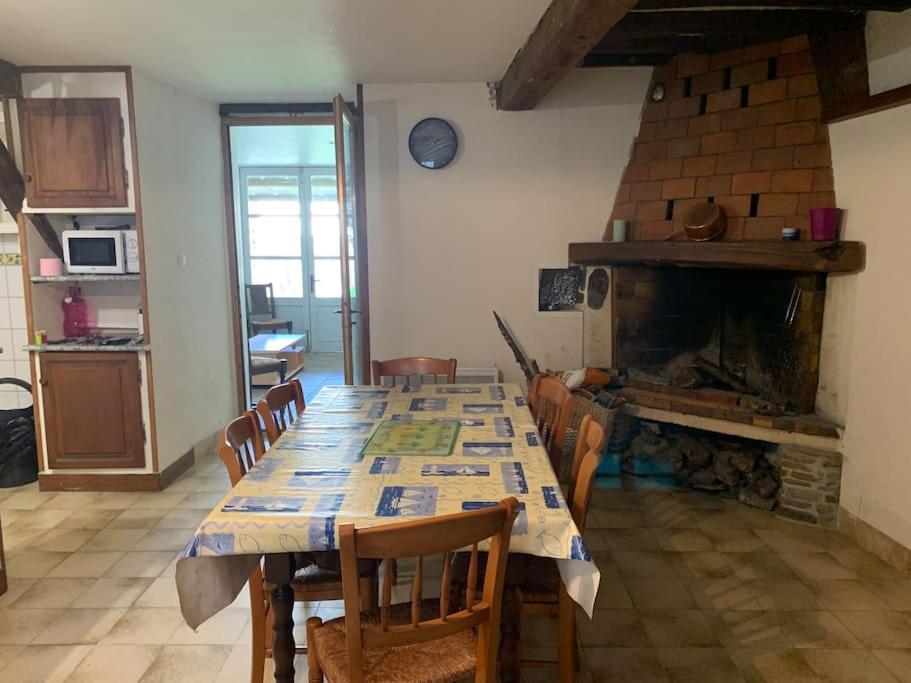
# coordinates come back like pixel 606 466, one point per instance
pixel 717 30
pixel 838 5
pixel 841 69
pixel 12 194
pixel 10 80
pixel 642 26
pixel 567 31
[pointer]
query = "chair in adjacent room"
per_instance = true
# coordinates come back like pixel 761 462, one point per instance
pixel 426 640
pixel 280 407
pixel 416 366
pixel 538 578
pixel 318 574
pixel 261 303
pixel 552 407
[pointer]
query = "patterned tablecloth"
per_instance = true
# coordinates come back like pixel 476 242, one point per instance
pixel 315 478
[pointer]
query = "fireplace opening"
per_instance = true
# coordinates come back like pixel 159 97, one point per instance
pixel 748 340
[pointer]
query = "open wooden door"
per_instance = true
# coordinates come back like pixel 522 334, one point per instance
pixel 353 325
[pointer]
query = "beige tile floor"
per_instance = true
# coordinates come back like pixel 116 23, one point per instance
pixel 693 588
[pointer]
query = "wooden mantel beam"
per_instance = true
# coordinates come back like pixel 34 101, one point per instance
pixel 567 31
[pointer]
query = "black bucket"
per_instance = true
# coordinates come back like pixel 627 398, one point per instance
pixel 18 455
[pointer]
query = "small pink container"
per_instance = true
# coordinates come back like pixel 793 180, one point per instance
pixel 50 267
pixel 824 224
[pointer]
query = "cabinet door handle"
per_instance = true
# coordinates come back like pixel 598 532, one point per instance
pixel 43 382
pixel 28 177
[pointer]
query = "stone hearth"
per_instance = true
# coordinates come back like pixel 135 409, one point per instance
pixel 796 482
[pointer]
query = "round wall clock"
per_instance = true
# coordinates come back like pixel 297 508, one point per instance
pixel 433 143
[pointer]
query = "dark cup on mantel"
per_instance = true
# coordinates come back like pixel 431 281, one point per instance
pixel 824 224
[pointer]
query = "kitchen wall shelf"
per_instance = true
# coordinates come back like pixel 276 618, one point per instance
pixel 85 277
pixel 87 348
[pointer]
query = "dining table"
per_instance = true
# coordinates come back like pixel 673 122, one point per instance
pixel 322 473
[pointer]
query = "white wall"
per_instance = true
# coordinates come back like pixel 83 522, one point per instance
pixel 180 175
pixel 447 247
pixel 866 359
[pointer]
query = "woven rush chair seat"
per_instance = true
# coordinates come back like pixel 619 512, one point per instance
pixel 447 659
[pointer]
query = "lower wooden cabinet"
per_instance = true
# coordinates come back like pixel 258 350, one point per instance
pixel 92 410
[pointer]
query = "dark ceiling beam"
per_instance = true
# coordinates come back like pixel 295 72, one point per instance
pixel 10 80
pixel 601 59
pixel 12 194
pixel 650 25
pixel 703 31
pixel 841 69
pixel 845 5
pixel 567 31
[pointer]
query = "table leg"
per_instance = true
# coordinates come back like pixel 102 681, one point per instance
pixel 279 570
pixel 510 635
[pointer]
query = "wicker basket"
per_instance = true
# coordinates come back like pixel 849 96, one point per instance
pixel 585 406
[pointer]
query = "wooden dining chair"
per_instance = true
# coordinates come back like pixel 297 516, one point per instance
pixel 591 437
pixel 536 580
pixel 420 640
pixel 242 445
pixel 542 590
pixel 318 574
pixel 280 407
pixel 408 367
pixel 552 407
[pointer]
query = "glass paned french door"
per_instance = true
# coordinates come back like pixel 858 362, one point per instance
pixel 291 241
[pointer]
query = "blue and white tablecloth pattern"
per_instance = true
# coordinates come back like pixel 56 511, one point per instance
pixel 315 478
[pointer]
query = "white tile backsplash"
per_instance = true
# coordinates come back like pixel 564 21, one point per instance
pixel 17 312
pixel 19 339
pixel 23 371
pixel 7 349
pixel 10 244
pixel 7 369
pixel 14 286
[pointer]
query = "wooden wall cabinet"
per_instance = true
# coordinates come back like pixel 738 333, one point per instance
pixel 92 410
pixel 73 152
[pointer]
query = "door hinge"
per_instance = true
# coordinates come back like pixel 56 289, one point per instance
pixel 139 377
pixel 142 429
pixel 126 178
pixel 123 130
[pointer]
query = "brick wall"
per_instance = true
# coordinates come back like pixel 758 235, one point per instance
pixel 740 129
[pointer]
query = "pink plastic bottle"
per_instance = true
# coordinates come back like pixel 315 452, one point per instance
pixel 75 314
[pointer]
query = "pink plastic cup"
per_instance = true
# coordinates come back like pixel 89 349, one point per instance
pixel 824 224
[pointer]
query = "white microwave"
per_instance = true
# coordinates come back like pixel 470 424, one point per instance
pixel 101 251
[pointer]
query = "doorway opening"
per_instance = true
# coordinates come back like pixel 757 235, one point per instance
pixel 298 258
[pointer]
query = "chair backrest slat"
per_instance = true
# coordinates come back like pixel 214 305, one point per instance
pixel 280 407
pixel 552 407
pixel 471 592
pixel 415 366
pixel 417 539
pixel 416 592
pixel 446 585
pixel 242 446
pixel 591 438
pixel 582 494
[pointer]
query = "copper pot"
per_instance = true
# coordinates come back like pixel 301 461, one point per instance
pixel 704 222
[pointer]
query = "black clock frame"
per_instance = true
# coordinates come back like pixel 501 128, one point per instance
pixel 411 143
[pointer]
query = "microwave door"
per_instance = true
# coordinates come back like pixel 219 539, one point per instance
pixel 94 254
